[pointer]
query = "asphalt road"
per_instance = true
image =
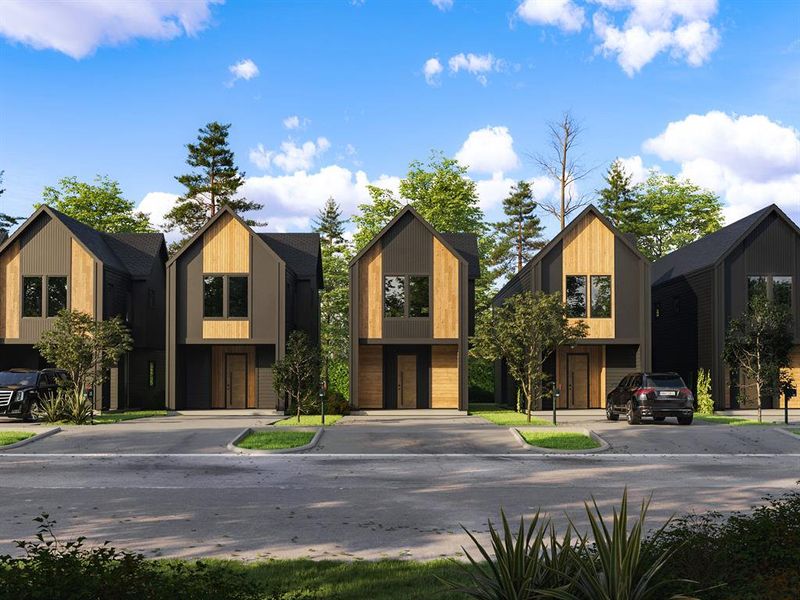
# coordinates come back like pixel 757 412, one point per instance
pixel 320 506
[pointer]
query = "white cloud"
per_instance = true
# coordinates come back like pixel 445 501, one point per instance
pixel 564 14
pixel 432 69
pixel 290 157
pixel 296 122
pixel 489 150
pixel 492 192
pixel 77 29
pixel 157 204
pixel 634 166
pixel 475 64
pixel 244 69
pixel 749 160
pixel 284 224
pixel 443 4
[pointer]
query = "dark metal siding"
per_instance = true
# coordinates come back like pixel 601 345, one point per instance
pixel 621 359
pixel 628 288
pixel 189 293
pixel 552 269
pixel 195 373
pixel 265 284
pixel 117 290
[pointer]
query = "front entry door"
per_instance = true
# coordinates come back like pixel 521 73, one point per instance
pixel 235 380
pixel 577 380
pixel 406 381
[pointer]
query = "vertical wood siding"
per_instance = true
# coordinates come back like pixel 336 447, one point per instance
pixel 226 247
pixel 370 294
pixel 11 294
pixel 226 329
pixel 82 277
pixel 444 376
pixel 589 250
pixel 446 292
pixel 370 376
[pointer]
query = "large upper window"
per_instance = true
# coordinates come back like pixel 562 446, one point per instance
pixel 576 296
pixel 212 296
pixel 419 299
pixel 31 296
pixel 56 295
pixel 777 288
pixel 394 296
pixel 237 296
pixel 601 296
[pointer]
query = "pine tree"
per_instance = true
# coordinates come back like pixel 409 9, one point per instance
pixel 213 185
pixel 334 299
pixel 520 235
pixel 6 221
pixel 618 198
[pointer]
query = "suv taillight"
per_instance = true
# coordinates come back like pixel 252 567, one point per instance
pixel 686 393
pixel 644 391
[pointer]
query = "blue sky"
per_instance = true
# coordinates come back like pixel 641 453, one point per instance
pixel 702 89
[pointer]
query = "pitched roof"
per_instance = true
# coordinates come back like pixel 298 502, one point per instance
pixel 300 251
pixel 708 250
pixel 466 244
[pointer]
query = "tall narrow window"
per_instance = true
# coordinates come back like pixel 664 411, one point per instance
pixel 419 299
pixel 151 373
pixel 601 296
pixel 56 295
pixel 237 296
pixel 31 296
pixel 576 296
pixel 782 290
pixel 756 287
pixel 212 296
pixel 394 296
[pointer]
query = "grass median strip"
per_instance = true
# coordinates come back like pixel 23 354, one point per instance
pixel 723 420
pixel 272 439
pixel 505 417
pixel 12 437
pixel 308 421
pixel 559 440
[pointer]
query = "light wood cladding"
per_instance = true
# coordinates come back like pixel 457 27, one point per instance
pixel 370 294
pixel 218 391
pixel 588 249
pixel 596 375
pixel 445 292
pixel 11 294
pixel 226 329
pixel 406 381
pixel 370 376
pixel 226 247
pixel 82 284
pixel 444 376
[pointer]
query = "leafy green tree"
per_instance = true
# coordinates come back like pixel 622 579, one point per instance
pixel 214 183
pixel 100 205
pixel 524 332
pixel 518 237
pixel 296 374
pixel 86 349
pixel 373 216
pixel 757 345
pixel 618 199
pixel 6 221
pixel 334 299
pixel 670 214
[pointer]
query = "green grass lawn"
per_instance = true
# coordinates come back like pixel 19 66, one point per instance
pixel 12 437
pixel 795 431
pixel 559 440
pixel 273 439
pixel 106 418
pixel 505 417
pixel 308 421
pixel 724 420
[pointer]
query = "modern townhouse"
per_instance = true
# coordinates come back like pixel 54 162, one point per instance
pixel 603 280
pixel 233 298
pixel 53 262
pixel 699 288
pixel 412 294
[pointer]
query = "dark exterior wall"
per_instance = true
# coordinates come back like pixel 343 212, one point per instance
pixel 265 278
pixel 266 397
pixel 306 308
pixel 188 304
pixel 194 376
pixel 628 290
pixel 116 295
pixel 551 270
pixel 140 394
pixel 684 334
pixel 423 354
pixel 148 322
pixel 621 359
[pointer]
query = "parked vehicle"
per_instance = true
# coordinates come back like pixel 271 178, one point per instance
pixel 653 395
pixel 21 390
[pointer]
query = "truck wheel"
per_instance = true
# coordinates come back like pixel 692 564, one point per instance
pixel 685 420
pixel 633 415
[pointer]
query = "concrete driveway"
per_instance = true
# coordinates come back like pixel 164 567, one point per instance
pixel 159 435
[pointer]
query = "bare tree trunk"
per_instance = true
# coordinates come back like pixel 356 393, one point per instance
pixel 564 147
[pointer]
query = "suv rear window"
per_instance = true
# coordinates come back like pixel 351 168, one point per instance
pixel 665 381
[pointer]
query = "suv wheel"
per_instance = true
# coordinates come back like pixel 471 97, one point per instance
pixel 610 414
pixel 633 415
pixel 686 420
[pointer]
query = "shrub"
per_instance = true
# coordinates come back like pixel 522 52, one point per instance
pixel 51 408
pixel 705 403
pixel 336 404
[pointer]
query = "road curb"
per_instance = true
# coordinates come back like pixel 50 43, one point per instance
pixel 604 445
pixel 314 441
pixel 30 440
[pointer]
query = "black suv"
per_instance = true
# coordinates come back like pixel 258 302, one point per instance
pixel 656 395
pixel 21 390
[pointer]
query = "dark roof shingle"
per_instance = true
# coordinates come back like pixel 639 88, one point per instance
pixel 300 251
pixel 466 244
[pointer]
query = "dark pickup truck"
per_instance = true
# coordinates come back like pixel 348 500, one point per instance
pixel 653 395
pixel 21 390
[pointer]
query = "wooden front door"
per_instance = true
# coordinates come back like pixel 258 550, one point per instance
pixel 406 381
pixel 578 380
pixel 235 380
